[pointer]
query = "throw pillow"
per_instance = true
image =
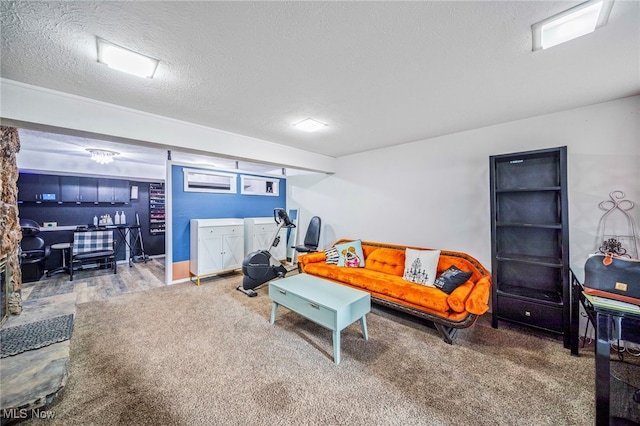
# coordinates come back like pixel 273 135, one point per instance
pixel 450 279
pixel 351 255
pixel 332 256
pixel 421 266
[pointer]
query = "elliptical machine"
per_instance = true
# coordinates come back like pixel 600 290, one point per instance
pixel 260 266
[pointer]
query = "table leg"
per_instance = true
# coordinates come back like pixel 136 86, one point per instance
pixel 575 317
pixel 336 347
pixel 602 369
pixel 363 327
pixel 274 309
pixel 64 268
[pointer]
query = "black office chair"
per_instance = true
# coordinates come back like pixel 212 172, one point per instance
pixel 33 251
pixel 311 238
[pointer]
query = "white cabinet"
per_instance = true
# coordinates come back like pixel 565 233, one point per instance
pixel 258 234
pixel 216 245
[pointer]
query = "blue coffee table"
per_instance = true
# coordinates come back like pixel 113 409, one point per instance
pixel 331 305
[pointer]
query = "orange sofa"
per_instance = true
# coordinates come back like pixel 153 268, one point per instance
pixel 382 278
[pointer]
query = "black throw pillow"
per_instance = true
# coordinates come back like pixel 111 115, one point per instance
pixel 450 279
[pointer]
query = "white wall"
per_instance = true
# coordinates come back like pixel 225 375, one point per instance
pixel 435 192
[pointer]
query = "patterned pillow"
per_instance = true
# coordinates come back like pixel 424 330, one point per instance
pixel 420 266
pixel 351 255
pixel 332 256
pixel 451 279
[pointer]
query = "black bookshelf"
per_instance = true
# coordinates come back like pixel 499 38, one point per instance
pixel 530 240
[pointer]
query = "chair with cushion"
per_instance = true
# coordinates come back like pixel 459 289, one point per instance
pixel 33 251
pixel 92 249
pixel 311 238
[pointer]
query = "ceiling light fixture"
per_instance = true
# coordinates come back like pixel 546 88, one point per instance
pixel 102 156
pixel 309 125
pixel 125 60
pixel 580 20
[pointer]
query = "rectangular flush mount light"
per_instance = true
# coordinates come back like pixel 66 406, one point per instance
pixel 125 60
pixel 570 24
pixel 309 125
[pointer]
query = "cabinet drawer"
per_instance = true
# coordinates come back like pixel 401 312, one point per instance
pixel 530 313
pixel 310 310
pixel 221 230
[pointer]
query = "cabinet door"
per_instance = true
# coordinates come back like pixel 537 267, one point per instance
pixel 88 190
pixel 121 191
pixel 209 251
pixel 105 191
pixel 232 250
pixel 113 191
pixel 29 187
pixel 262 237
pixel 79 189
pixel 38 188
pixel 50 187
pixel 280 251
pixel 69 188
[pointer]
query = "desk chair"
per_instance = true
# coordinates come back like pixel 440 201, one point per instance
pixel 97 247
pixel 311 238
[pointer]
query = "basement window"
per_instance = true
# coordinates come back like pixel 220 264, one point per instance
pixel 255 185
pixel 196 180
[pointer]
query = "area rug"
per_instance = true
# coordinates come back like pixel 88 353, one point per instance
pixel 35 335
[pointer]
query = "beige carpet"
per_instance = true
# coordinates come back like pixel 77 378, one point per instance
pixel 187 355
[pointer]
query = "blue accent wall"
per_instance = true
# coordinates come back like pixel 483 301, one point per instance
pixel 205 205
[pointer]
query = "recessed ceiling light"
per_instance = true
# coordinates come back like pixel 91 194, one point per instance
pixel 125 60
pixel 309 125
pixel 570 24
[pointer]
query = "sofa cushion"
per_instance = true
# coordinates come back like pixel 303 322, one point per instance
pixel 458 297
pixel 450 279
pixel 350 254
pixel 392 286
pixel 386 260
pixel 421 266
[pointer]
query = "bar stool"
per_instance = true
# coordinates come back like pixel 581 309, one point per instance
pixel 64 268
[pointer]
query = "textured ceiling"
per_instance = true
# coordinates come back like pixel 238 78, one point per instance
pixel 378 73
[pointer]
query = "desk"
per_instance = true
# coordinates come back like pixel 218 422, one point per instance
pixel 126 231
pixel 609 325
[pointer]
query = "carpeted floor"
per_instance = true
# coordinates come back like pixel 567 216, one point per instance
pixel 184 355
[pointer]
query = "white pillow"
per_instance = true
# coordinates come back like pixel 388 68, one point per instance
pixel 421 266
